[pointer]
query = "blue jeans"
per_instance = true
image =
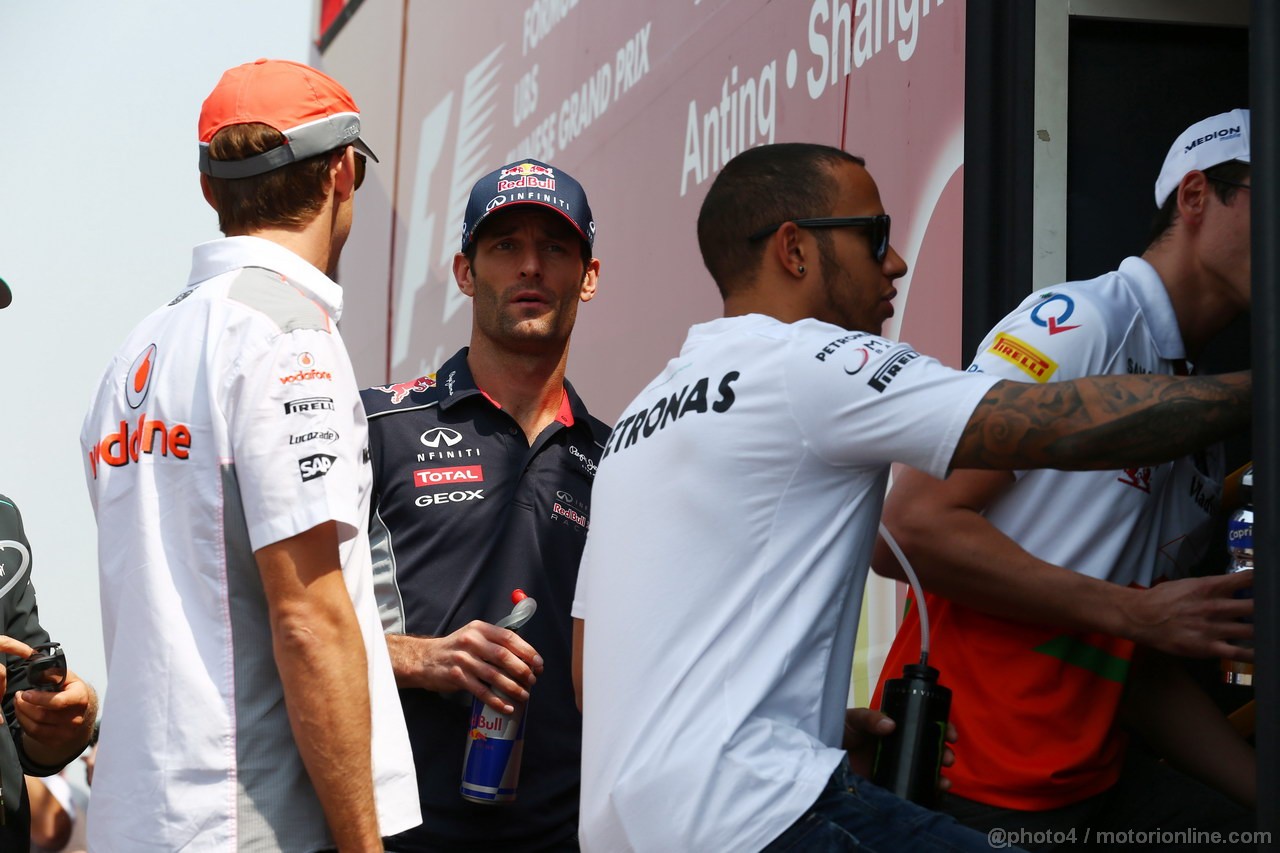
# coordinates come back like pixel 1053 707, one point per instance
pixel 853 814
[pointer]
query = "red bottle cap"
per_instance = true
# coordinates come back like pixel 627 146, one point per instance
pixel 517 596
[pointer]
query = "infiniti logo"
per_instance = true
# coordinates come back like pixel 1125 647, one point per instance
pixel 433 437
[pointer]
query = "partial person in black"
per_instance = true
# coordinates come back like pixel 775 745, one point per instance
pixel 47 730
pixel 482 484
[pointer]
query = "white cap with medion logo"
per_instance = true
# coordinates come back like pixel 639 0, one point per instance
pixel 1205 144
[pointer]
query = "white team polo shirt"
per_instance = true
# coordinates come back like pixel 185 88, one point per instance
pixel 229 420
pixel 733 517
pixel 1128 526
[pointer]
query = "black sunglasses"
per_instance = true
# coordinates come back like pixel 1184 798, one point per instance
pixel 360 167
pixel 1229 183
pixel 879 226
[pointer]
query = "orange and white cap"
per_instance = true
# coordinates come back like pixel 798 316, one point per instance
pixel 313 111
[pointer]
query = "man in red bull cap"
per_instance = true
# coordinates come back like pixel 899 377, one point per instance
pixel 482 484
pixel 227 461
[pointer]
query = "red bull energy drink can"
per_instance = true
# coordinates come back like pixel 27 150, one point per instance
pixel 495 741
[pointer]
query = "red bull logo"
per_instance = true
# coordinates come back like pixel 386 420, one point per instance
pixel 400 390
pixel 527 170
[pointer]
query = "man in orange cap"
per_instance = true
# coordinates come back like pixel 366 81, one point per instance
pixel 226 454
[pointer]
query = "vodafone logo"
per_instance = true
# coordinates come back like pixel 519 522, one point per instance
pixel 138 381
pixel 306 360
pixel 147 438
pixel 433 437
pixel 439 476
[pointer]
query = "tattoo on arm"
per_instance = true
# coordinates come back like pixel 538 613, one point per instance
pixel 1102 422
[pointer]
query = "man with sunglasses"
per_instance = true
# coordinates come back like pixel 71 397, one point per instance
pixel 735 511
pixel 226 455
pixel 1054 573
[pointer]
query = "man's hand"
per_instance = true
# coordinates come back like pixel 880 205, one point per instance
pixel 17 648
pixel 56 726
pixel 863 729
pixel 1193 617
pixel 481 658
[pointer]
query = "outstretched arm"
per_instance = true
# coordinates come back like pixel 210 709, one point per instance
pixel 1101 422
pixel 960 555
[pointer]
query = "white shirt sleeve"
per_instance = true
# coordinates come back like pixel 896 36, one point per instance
pixel 861 400
pixel 297 433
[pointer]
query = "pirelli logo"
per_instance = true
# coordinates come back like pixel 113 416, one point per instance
pixel 1027 358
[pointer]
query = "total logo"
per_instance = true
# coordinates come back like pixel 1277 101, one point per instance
pixel 138 382
pixel 439 476
pixel 434 436
pixel 1053 317
pixel 148 438
pixel 317 465
pixel 450 497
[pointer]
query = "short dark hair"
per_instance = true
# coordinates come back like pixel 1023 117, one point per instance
pixel 288 197
pixel 1232 170
pixel 760 187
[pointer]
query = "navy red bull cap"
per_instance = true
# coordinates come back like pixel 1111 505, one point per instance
pixel 529 182
pixel 313 111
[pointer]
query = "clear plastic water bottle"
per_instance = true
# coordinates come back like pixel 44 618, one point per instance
pixel 1240 551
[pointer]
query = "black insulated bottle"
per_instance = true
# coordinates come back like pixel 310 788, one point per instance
pixel 909 759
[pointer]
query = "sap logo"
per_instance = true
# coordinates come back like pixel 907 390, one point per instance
pixel 315 466
pixel 309 404
pixel 885 374
pixel 149 438
pixel 433 437
pixel 1052 318
pixel 450 497
pixel 435 476
pixel 326 435
pixel 138 383
pixel 583 459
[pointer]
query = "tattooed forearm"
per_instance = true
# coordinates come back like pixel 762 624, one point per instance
pixel 1102 422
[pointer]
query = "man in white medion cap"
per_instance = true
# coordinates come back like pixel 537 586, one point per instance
pixel 1042 583
pixel 226 453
